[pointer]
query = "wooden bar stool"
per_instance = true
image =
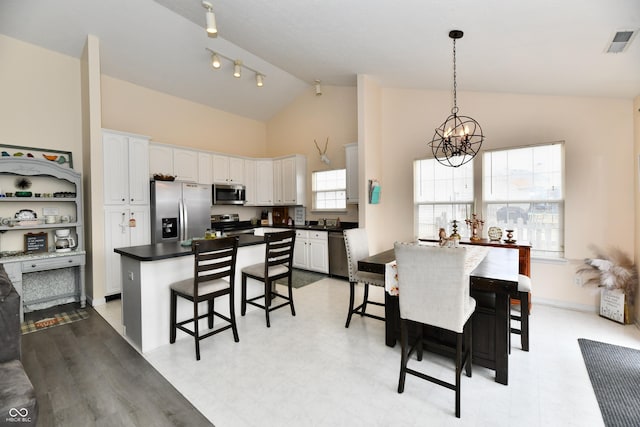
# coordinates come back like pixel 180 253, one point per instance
pixel 213 276
pixel 277 265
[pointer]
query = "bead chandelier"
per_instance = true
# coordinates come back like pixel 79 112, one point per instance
pixel 459 138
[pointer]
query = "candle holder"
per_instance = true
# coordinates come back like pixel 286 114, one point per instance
pixel 476 226
pixel 455 234
pixel 509 238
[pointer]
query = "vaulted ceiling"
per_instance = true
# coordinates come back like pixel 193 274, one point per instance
pixel 546 47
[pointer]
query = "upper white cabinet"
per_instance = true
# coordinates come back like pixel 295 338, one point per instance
pixel 250 182
pixel 126 168
pixel 278 198
pixel 228 170
pixel 289 180
pixel 160 159
pixel 294 177
pixel 205 170
pixel 185 165
pixel 351 156
pixel 264 182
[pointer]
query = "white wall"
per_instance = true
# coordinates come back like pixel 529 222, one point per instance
pixel 309 117
pixel 599 164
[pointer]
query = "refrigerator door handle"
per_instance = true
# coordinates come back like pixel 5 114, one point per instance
pixel 183 220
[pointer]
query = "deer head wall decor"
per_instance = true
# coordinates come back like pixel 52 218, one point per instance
pixel 323 153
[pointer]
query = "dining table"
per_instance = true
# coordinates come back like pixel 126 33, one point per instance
pixel 491 283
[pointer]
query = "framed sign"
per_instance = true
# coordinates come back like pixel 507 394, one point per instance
pixel 36 242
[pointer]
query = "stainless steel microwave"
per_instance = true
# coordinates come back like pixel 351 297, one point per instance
pixel 228 194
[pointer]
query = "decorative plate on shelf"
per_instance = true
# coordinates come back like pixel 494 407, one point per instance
pixel 26 214
pixel 495 234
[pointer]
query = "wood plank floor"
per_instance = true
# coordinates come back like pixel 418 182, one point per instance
pixel 86 374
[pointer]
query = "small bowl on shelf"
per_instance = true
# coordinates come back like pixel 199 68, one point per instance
pixel 162 177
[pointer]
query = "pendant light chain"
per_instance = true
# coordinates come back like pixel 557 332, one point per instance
pixel 454 110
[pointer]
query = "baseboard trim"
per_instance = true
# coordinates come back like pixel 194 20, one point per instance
pixel 96 302
pixel 565 305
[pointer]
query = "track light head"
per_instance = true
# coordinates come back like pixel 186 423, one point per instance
pixel 215 61
pixel 259 80
pixel 212 28
pixel 237 68
pixel 318 88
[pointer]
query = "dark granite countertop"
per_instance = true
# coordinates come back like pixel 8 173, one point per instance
pixel 161 251
pixel 314 226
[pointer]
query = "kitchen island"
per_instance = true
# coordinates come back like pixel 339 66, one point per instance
pixel 148 271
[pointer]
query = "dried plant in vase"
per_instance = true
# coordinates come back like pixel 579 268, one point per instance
pixel 611 271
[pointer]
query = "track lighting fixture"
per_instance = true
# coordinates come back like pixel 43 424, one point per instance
pixel 318 88
pixel 215 61
pixel 212 29
pixel 238 65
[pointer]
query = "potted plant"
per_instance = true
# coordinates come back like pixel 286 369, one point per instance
pixel 616 273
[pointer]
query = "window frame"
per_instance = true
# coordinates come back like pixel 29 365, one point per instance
pixel 337 189
pixel 552 213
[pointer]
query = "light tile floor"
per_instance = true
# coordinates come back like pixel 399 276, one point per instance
pixel 309 370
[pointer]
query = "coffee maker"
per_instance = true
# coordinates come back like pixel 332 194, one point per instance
pixel 64 241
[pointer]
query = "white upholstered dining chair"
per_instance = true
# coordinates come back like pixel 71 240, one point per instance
pixel 434 290
pixel 357 245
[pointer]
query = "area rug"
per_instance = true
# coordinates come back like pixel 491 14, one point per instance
pixel 54 320
pixel 300 278
pixel 615 376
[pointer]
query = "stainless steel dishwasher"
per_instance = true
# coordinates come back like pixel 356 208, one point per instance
pixel 338 264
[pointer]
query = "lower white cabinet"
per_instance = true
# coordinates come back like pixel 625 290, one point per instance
pixel 124 226
pixel 311 251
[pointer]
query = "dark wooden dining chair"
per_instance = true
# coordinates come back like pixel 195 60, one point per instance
pixel 523 296
pixel 357 244
pixel 213 276
pixel 277 265
pixel 434 291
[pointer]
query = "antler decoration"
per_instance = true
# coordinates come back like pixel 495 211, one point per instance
pixel 323 153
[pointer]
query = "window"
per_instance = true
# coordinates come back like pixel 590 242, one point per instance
pixel 329 190
pixel 442 194
pixel 523 191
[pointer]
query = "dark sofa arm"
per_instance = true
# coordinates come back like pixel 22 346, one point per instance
pixel 10 336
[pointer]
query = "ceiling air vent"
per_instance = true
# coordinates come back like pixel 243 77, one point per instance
pixel 620 41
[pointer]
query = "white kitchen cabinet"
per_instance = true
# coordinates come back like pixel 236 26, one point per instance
pixel 126 168
pixel 289 180
pixel 185 165
pixel 124 227
pixel 160 159
pixel 264 182
pixel 228 170
pixel 294 170
pixel 250 182
pixel 351 156
pixel 277 183
pixel 311 250
pixel 205 170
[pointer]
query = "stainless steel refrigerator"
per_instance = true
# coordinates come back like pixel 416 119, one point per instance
pixel 179 211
